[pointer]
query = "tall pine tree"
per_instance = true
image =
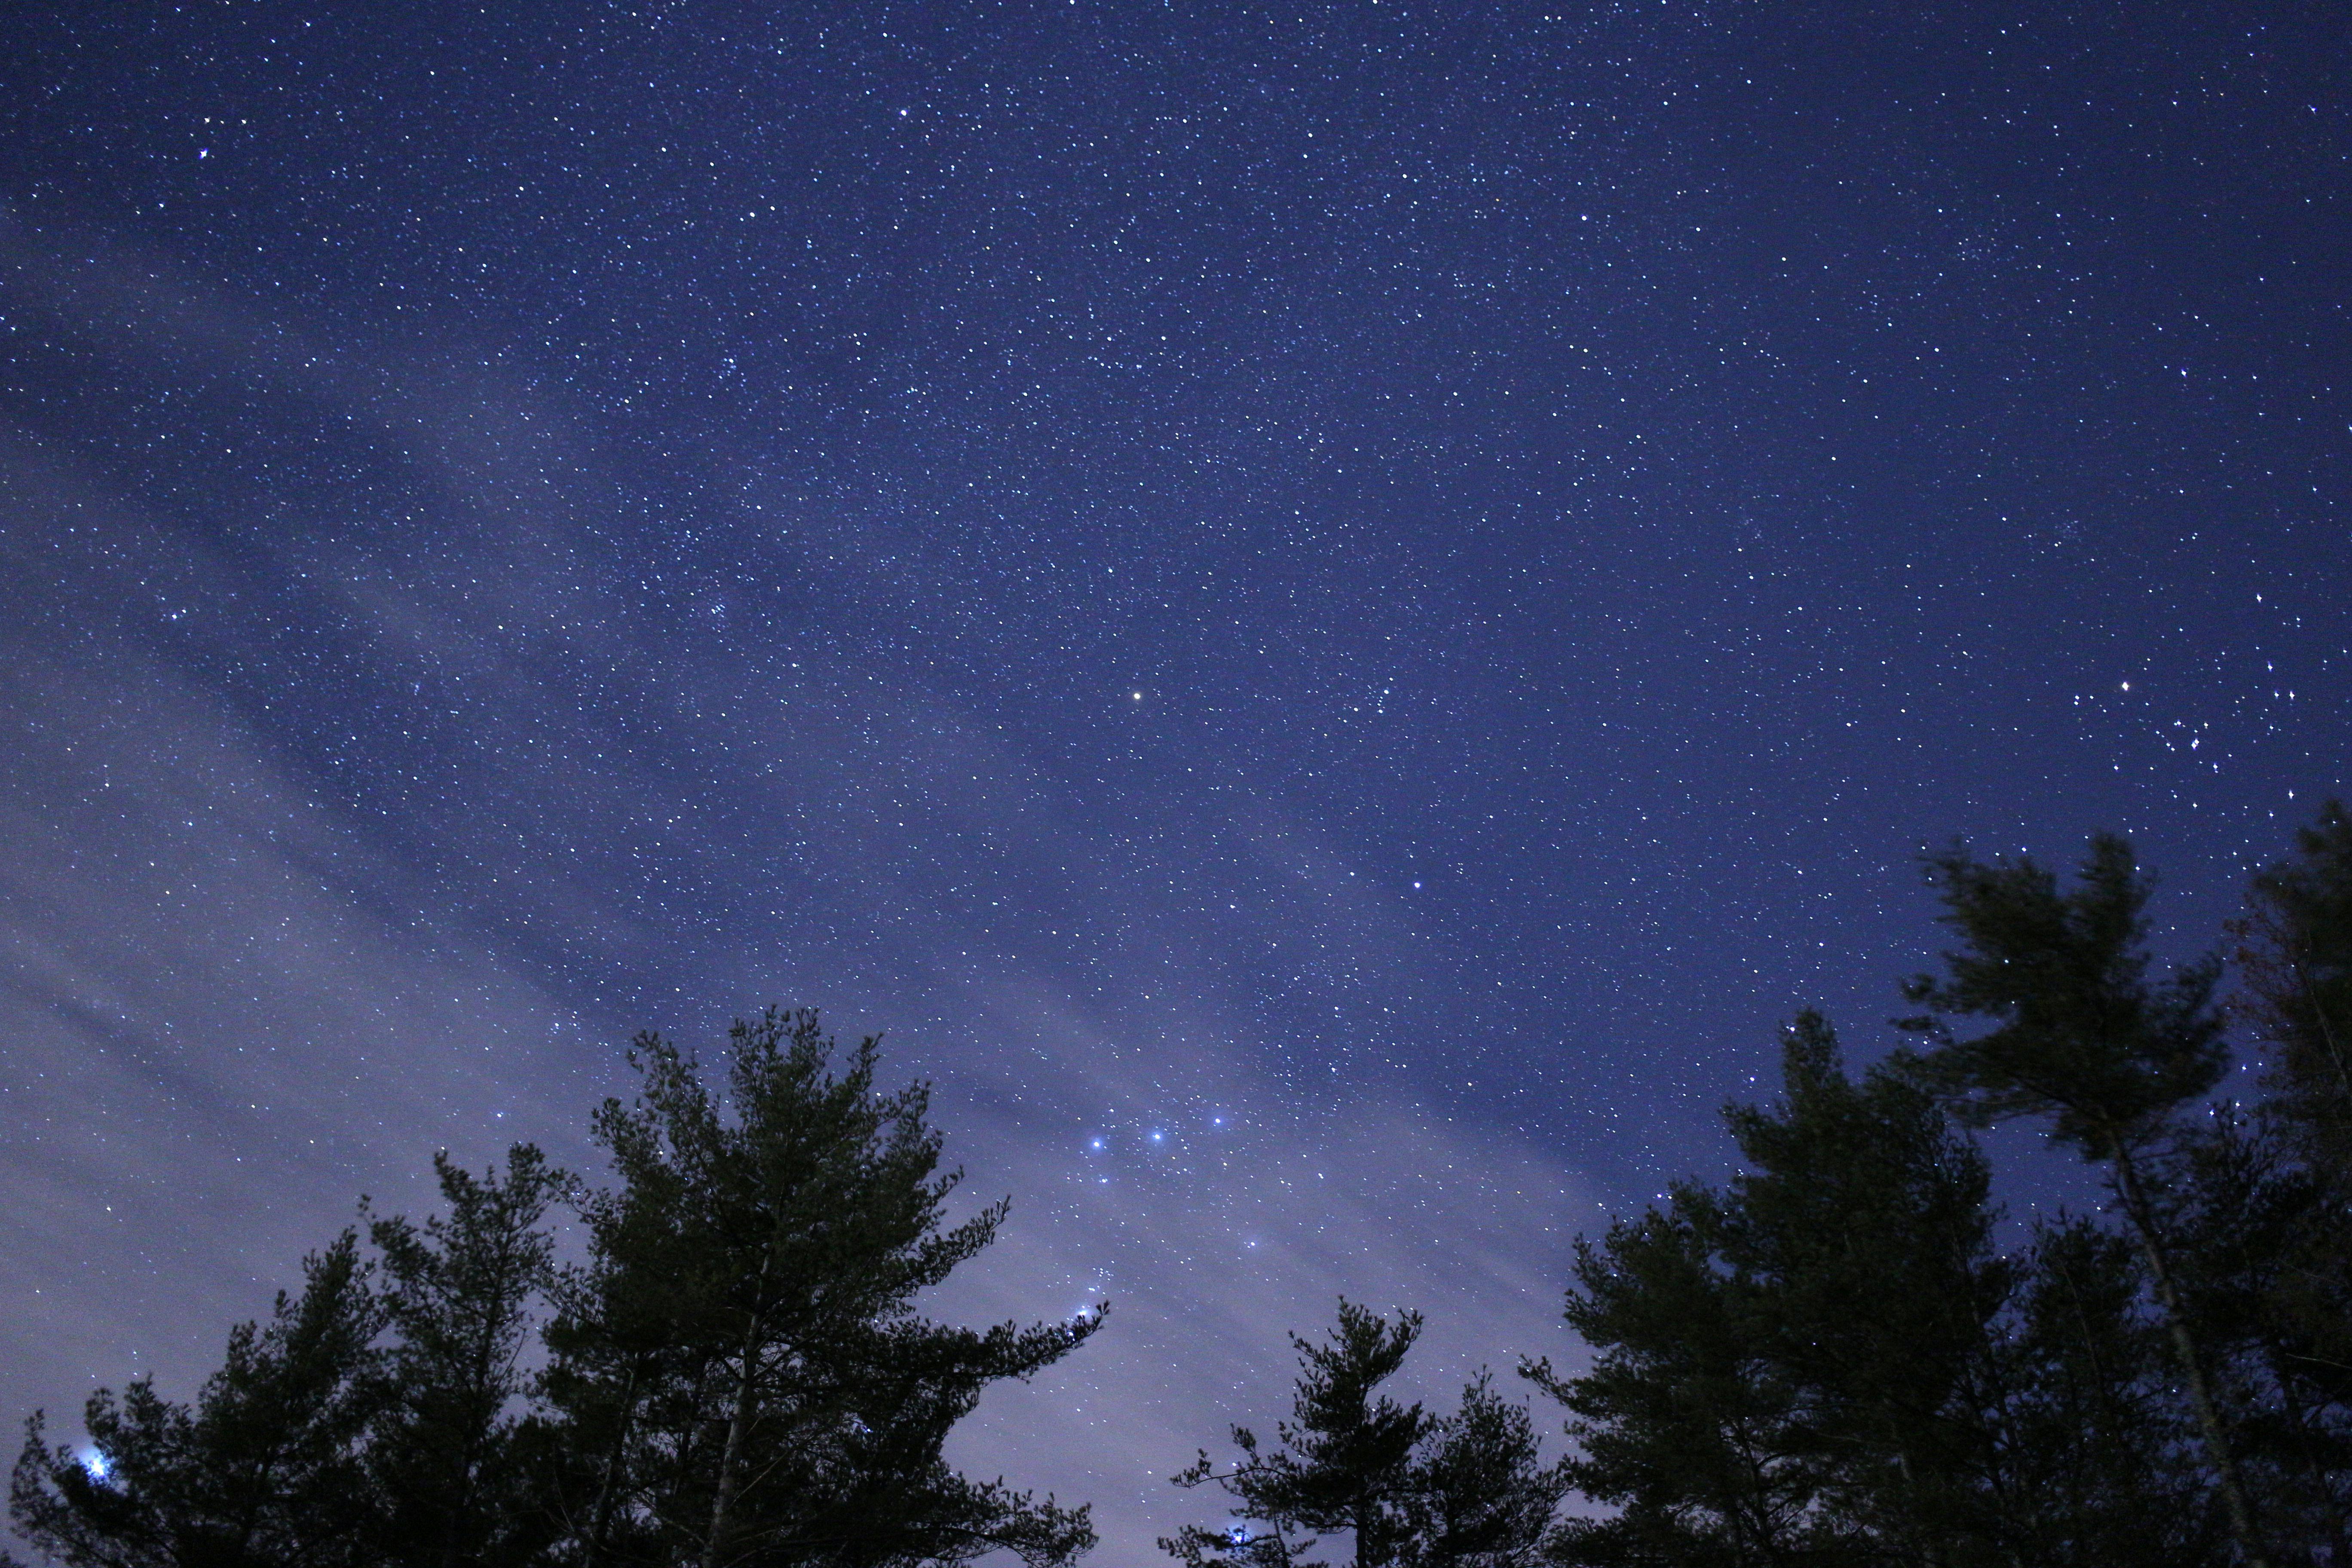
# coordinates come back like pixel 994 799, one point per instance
pixel 739 1371
pixel 1791 1369
pixel 458 1295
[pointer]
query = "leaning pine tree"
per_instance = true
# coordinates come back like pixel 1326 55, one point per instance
pixel 2260 1201
pixel 2082 1038
pixel 739 1377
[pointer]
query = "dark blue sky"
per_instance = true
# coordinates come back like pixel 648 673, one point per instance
pixel 1354 603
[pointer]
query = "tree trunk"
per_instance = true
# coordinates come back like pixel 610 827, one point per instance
pixel 613 1468
pixel 481 1414
pixel 2217 1448
pixel 731 1461
pixel 490 1395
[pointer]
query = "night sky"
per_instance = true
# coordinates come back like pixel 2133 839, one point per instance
pixel 1330 616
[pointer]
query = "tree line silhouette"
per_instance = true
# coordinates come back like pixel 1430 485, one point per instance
pixel 1832 1358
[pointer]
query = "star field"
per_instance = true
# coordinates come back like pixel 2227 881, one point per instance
pixel 1329 616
